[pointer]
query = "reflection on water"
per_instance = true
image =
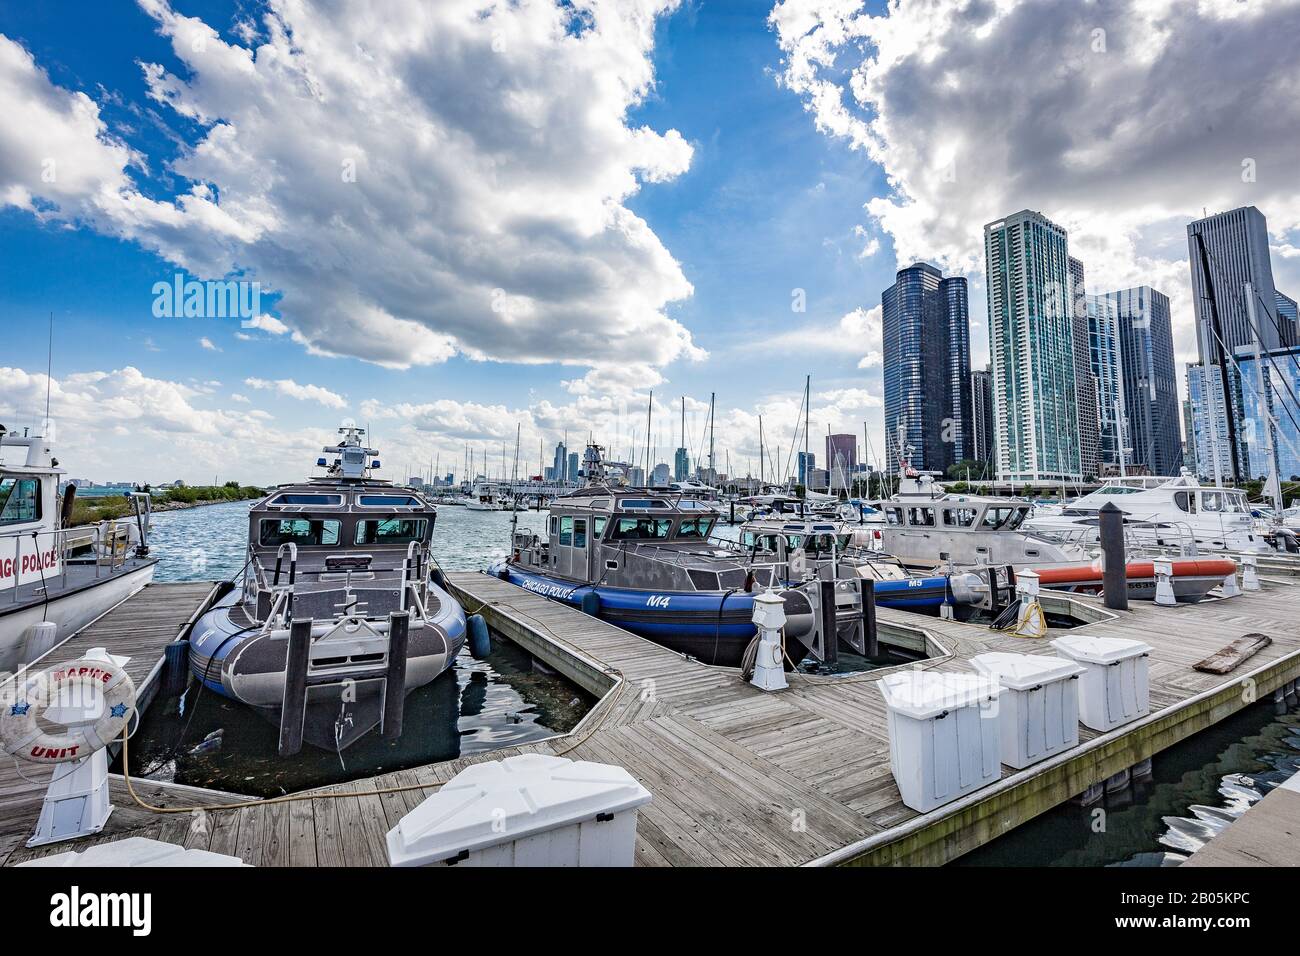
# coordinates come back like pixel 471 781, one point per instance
pixel 1197 788
pixel 474 707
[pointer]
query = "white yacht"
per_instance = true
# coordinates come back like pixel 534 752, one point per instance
pixel 926 527
pixel 486 496
pixel 54 580
pixel 1162 512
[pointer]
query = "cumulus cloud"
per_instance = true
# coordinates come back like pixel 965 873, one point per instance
pixel 856 331
pixel 304 393
pixel 1120 121
pixel 208 344
pixel 414 180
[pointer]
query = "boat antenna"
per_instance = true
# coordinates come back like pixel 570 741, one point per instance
pixel 713 477
pixel 649 410
pixel 49 369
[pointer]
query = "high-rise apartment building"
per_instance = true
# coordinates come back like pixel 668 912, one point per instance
pixel 925 330
pixel 1031 345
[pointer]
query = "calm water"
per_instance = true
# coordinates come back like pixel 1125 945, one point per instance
pixel 475 707
pixel 1196 789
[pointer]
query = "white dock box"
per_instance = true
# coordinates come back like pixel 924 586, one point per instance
pixel 1114 688
pixel 1039 708
pixel 529 810
pixel 943 735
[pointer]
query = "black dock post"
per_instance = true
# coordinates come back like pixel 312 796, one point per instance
pixel 869 638
pixel 995 597
pixel 399 623
pixel 1114 576
pixel 293 708
pixel 733 511
pixel 830 634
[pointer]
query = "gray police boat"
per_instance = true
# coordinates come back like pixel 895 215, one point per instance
pixel 337 613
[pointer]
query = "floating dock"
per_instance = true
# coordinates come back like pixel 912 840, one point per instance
pixel 1268 834
pixel 744 777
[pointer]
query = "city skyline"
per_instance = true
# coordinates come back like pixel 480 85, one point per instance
pixel 722 220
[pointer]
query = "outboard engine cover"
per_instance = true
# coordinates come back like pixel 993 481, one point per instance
pixel 968 588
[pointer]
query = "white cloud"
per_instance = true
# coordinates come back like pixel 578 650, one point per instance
pixel 267 323
pixel 975 110
pixel 856 331
pixel 208 344
pixel 305 393
pixel 414 179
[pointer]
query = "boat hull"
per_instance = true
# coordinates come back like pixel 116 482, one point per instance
pixel 230 658
pixel 69 610
pixel 712 626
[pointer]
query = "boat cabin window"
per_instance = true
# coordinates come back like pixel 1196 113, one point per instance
pixel 1003 519
pixel 566 531
pixel 1186 501
pixel 627 528
pixel 302 531
pixel 922 517
pixel 643 503
pixel 959 517
pixel 893 515
pixel 555 525
pixel 323 501
pixel 387 501
pixel 695 528
pixel 21 500
pixel 579 532
pixel 598 525
pixel 390 530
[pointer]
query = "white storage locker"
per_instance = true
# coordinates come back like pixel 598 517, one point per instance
pixel 1114 688
pixel 1039 705
pixel 943 735
pixel 529 810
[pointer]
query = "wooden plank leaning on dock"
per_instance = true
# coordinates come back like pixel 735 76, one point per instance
pixel 743 777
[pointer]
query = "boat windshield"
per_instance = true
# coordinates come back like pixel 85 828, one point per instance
pixel 639 529
pixel 300 531
pixel 390 530
pixel 20 500
pixel 1003 518
pixel 695 528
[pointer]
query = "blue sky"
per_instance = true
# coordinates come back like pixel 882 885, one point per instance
pixel 725 150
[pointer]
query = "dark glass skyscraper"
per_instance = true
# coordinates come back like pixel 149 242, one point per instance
pixel 984 428
pixel 1148 388
pixel 1085 383
pixel 926 352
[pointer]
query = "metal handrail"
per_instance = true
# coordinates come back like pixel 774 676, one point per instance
pixel 97 535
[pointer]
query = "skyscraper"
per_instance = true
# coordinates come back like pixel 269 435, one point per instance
pixel 1031 344
pixel 560 468
pixel 1085 385
pixel 572 473
pixel 1234 246
pixel 806 462
pixel 1103 353
pixel 1148 389
pixel 982 419
pixel 926 352
pixel 841 459
pixel 681 465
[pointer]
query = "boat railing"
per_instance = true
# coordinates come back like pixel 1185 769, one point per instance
pixel 288 583
pixel 109 544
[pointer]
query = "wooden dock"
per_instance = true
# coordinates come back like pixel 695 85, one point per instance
pixel 139 628
pixel 1268 834
pixel 801 776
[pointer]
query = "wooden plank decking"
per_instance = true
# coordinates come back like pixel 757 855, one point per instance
pixel 140 627
pixel 743 777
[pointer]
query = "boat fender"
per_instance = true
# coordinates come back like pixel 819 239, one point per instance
pixel 591 604
pixel 20 734
pixel 480 643
pixel 436 577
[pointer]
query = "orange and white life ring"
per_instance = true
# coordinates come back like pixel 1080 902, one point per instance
pixel 22 701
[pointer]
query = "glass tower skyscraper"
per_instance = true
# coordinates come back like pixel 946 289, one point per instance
pixel 926 356
pixel 1031 345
